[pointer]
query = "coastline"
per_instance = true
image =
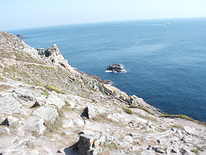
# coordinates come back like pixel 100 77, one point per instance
pixel 156 79
pixel 45 100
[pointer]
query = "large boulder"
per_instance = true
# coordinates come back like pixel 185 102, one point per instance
pixel 86 145
pixel 34 125
pixel 48 113
pixel 9 105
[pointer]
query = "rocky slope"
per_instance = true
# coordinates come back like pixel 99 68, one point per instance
pixel 48 107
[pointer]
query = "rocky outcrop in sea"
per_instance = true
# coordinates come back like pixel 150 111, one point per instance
pixel 48 107
pixel 116 68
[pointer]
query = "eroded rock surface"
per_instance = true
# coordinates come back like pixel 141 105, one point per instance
pixel 50 108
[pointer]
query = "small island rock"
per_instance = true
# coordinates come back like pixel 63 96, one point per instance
pixel 116 68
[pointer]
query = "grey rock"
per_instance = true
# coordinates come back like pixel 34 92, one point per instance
pixel 116 68
pixel 36 104
pixel 48 113
pixel 85 113
pixel 5 122
pixel 86 145
pixel 25 97
pixel 9 105
pixel 158 150
pixel 53 56
pixel 34 125
pixel 56 99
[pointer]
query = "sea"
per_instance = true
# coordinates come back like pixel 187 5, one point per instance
pixel 165 59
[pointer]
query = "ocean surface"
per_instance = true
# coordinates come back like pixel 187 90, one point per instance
pixel 165 59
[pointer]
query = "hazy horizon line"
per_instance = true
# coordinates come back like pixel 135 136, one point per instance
pixel 102 22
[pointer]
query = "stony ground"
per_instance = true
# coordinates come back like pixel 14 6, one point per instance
pixel 47 107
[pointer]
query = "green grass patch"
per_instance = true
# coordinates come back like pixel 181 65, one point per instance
pixel 45 93
pixel 101 118
pixel 177 126
pixel 41 67
pixel 25 57
pixel 183 117
pixel 177 116
pixel 16 73
pixel 195 150
pixel 142 108
pixel 37 83
pixel 19 56
pixel 10 69
pixel 55 89
pixel 111 146
pixel 1 78
pixel 5 54
pixel 127 110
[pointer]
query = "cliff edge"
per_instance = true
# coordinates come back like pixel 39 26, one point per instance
pixel 48 107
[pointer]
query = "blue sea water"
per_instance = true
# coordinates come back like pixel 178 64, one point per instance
pixel 165 59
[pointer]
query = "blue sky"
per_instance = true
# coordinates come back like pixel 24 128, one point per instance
pixel 19 14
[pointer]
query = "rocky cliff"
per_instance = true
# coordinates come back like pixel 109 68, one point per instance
pixel 48 107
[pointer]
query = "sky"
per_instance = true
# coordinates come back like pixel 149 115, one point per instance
pixel 20 14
